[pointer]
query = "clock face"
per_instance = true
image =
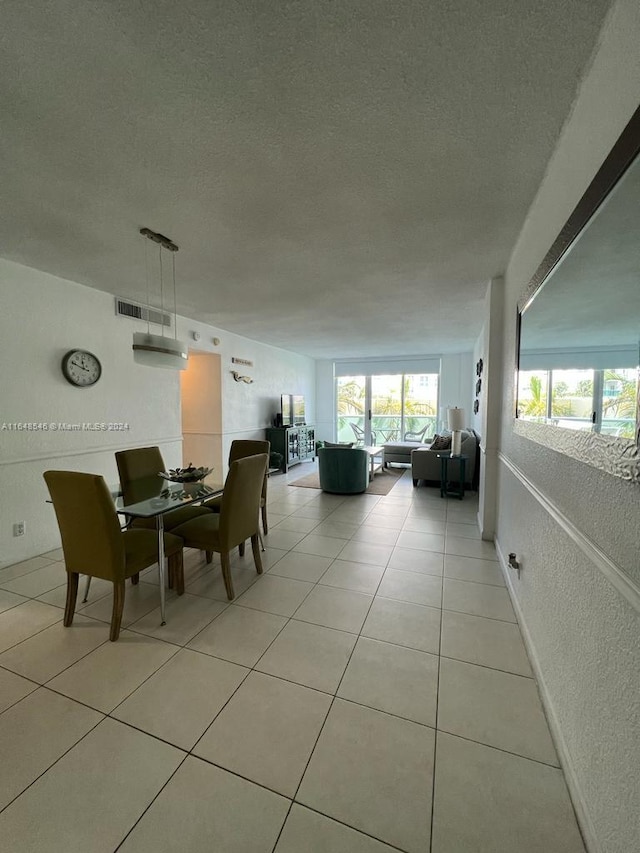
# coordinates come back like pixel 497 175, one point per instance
pixel 81 368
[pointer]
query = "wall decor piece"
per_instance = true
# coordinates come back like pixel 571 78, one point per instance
pixel 244 361
pixel 478 386
pixel 239 378
pixel 476 407
pixel 81 368
pixel 479 366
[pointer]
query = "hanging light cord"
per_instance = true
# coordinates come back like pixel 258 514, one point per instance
pixel 146 269
pixel 161 290
pixel 175 304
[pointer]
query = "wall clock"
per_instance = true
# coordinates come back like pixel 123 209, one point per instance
pixel 81 368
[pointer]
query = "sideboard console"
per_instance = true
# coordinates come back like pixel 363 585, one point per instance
pixel 294 444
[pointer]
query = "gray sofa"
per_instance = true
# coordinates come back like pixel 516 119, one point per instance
pixel 425 464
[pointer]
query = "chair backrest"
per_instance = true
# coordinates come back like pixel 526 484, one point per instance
pixel 243 447
pixel 138 463
pixel 240 507
pixel 91 538
pixel 357 431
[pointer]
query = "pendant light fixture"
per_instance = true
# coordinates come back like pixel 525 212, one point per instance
pixel 159 350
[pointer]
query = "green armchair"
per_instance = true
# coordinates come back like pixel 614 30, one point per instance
pixel 343 470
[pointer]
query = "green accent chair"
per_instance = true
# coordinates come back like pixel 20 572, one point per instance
pixel 343 470
pixel 237 521
pixel 93 543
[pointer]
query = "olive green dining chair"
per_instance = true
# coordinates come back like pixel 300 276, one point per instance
pixel 93 543
pixel 141 464
pixel 237 521
pixel 240 449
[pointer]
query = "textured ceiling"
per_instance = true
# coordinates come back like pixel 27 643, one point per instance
pixel 342 176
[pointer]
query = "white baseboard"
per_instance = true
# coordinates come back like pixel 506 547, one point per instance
pixel 575 792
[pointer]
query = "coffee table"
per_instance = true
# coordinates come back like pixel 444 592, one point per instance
pixel 375 453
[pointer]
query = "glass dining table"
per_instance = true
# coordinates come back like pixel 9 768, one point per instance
pixel 152 497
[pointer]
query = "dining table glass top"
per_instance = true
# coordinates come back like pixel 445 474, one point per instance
pixel 152 496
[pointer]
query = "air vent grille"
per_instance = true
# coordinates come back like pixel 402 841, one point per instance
pixel 141 312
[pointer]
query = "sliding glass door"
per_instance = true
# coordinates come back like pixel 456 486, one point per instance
pixel 382 408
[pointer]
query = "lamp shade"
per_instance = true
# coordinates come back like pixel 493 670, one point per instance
pixel 158 351
pixel 455 419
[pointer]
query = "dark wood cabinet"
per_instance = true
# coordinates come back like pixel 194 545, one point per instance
pixel 294 444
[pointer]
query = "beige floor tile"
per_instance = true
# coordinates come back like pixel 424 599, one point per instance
pixel 269 557
pixel 13 688
pixel 390 678
pixel 104 678
pixel 58 596
pixel 363 552
pixel 38 582
pixel 412 560
pixel 349 516
pixel 359 577
pixel 376 535
pixel 210 584
pixel 322 546
pixel 309 655
pixel 309 832
pixel 424 525
pixel 138 601
pixel 297 525
pixel 487 642
pixel 186 616
pixel 302 567
pixel 373 772
pixel 44 655
pixel 9 600
pixel 473 569
pixel 336 529
pixel 421 541
pixel 412 587
pixel 239 635
pixel 312 511
pixel 17 570
pixel 272 594
pixel 28 747
pixel 92 796
pixel 284 540
pixel 430 511
pixel 491 802
pixel 25 620
pixel 56 554
pixel 341 609
pixel 470 548
pixel 180 700
pixel 266 732
pixel 209 809
pixel 403 623
pixel 495 708
pixel 388 522
pixel 465 531
pixel 478 599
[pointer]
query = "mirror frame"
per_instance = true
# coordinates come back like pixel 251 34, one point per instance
pixel 617 456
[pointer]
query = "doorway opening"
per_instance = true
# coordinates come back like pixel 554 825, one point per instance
pixel 201 400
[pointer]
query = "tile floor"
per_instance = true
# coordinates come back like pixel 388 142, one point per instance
pixel 369 693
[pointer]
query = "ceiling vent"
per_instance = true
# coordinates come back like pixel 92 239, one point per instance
pixel 141 312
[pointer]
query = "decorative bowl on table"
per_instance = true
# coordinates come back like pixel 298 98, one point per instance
pixel 185 475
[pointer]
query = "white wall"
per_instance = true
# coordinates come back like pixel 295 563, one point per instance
pixel 41 317
pixel 572 526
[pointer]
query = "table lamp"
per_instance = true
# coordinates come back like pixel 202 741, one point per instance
pixel 456 423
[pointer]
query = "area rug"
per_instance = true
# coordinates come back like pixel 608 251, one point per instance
pixel 381 484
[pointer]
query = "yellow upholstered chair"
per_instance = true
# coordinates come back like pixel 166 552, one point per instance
pixel 237 520
pixel 93 543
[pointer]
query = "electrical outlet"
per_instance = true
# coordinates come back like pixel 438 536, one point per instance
pixel 19 528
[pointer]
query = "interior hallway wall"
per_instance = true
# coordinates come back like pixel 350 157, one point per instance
pixel 41 317
pixel 574 528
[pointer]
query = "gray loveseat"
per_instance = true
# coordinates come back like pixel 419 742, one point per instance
pixel 425 464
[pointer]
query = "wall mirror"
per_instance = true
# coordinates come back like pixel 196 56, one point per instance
pixel 579 325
